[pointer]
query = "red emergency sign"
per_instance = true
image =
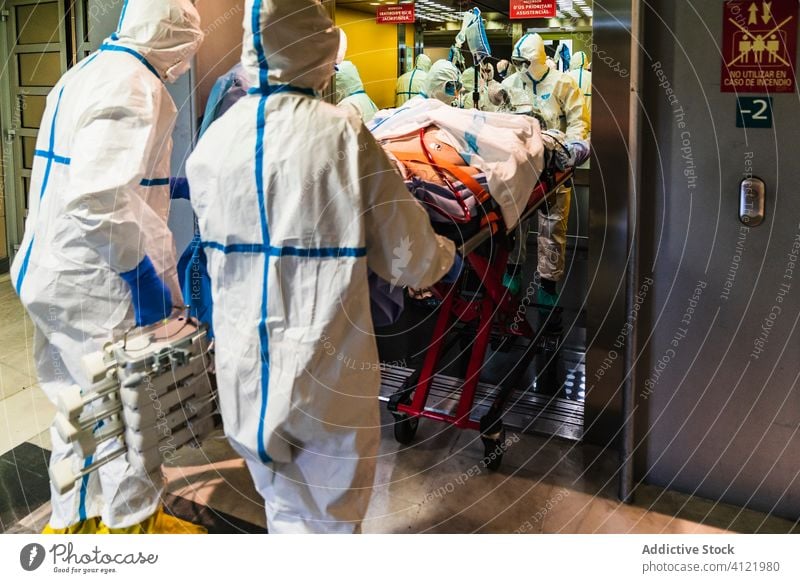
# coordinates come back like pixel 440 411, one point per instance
pixel 759 46
pixel 533 9
pixel 396 14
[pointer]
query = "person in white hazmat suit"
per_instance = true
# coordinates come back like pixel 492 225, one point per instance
pixel 467 98
pixel 98 257
pixel 579 71
pixel 410 83
pixel 486 82
pixel 295 201
pixel 559 104
pixel 443 82
pixel 350 93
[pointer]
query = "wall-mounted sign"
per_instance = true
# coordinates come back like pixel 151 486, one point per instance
pixel 520 9
pixel 396 14
pixel 754 112
pixel 759 46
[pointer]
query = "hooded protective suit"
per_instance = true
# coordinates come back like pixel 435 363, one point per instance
pixel 350 92
pixel 556 99
pixel 468 88
pixel 553 94
pixel 295 201
pixel 99 203
pixel 410 84
pixel 579 71
pixel 486 84
pixel 443 82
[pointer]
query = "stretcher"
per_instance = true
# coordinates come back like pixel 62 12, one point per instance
pixel 478 307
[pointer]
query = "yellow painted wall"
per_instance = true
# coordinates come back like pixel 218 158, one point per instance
pixel 372 48
pixel 409 47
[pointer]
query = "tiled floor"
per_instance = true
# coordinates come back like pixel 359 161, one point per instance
pixel 438 485
pixel 24 410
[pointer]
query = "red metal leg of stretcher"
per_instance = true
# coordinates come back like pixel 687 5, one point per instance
pixel 476 360
pixel 491 276
pixel 486 309
pixel 492 310
pixel 423 387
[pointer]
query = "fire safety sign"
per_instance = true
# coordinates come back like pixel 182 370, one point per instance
pixel 759 46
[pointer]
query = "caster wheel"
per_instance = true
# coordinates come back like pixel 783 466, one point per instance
pixel 405 428
pixel 493 450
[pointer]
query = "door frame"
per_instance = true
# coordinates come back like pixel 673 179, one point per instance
pixel 11 115
pixel 6 148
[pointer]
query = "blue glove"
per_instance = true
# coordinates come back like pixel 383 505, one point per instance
pixel 455 271
pixel 178 188
pixel 152 300
pixel 193 269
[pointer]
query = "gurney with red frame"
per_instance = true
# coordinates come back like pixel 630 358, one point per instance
pixel 480 302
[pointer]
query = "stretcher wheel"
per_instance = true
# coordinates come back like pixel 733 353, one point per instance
pixel 405 428
pixel 493 450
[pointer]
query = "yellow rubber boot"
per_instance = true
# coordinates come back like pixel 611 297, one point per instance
pixel 89 526
pixel 159 523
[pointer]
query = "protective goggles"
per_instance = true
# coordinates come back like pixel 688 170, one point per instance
pixel 453 88
pixel 520 63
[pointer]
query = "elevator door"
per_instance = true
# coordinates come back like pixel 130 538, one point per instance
pixel 36 57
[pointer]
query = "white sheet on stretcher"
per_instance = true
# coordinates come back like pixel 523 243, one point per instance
pixel 507 148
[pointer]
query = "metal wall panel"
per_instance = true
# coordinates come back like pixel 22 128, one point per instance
pixel 718 406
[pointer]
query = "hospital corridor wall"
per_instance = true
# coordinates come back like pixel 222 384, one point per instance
pixel 372 48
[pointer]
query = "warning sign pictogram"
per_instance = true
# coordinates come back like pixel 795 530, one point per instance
pixel 759 46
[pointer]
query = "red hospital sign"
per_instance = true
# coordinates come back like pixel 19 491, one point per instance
pixel 520 9
pixel 396 14
pixel 759 46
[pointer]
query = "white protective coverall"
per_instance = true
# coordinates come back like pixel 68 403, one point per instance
pixel 556 98
pixel 411 83
pixel 99 203
pixel 579 71
pixel 295 201
pixel 468 88
pixel 350 92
